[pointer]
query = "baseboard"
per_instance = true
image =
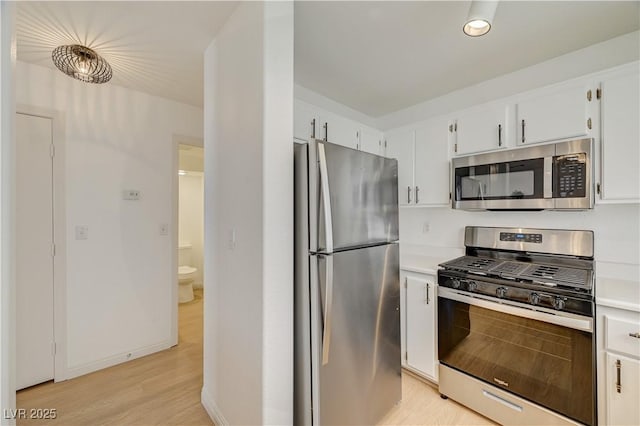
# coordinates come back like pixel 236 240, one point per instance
pixel 74 372
pixel 212 409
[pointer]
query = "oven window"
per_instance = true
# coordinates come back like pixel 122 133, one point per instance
pixel 512 180
pixel 544 363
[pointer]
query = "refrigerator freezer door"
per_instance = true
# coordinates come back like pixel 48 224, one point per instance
pixel 363 194
pixel 357 359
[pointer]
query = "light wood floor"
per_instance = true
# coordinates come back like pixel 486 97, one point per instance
pixel 164 389
pixel 159 389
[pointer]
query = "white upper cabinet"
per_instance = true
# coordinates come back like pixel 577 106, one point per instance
pixel 371 140
pixel 620 135
pixel 432 186
pixel 339 130
pixel 305 121
pixel 558 112
pixel 485 127
pixel 400 146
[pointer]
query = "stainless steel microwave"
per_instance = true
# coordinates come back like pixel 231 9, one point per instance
pixel 555 176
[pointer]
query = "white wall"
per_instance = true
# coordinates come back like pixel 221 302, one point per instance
pixel 7 274
pixel 191 218
pixel 120 280
pixel 248 330
pixel 315 98
pixel 608 54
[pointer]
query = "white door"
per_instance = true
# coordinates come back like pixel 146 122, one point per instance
pixel 400 147
pixel 371 141
pixel 557 113
pixel 339 130
pixel 481 128
pixel 621 136
pixel 305 121
pixel 420 325
pixel 34 245
pixel 622 401
pixel 432 163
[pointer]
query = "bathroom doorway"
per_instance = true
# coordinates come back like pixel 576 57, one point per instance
pixel 190 235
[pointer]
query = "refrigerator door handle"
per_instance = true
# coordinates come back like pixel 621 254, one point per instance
pixel 328 305
pixel 326 198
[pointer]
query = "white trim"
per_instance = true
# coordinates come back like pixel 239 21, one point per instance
pixel 60 235
pixel 212 409
pixel 116 359
pixel 7 200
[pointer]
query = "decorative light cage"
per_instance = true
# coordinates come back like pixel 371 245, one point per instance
pixel 82 63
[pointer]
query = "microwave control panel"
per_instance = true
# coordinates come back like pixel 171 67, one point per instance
pixel 570 176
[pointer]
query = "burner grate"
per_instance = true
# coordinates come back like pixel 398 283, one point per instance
pixel 510 268
pixel 576 277
pixel 472 263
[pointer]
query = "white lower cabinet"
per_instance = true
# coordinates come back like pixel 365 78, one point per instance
pixel 419 298
pixel 618 366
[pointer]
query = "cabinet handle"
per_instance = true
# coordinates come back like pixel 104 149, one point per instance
pixel 313 128
pixel 499 134
pixel 522 131
pixel 426 288
pixel 618 368
pixel 326 131
pixel 636 335
pixel 409 194
pixel 417 191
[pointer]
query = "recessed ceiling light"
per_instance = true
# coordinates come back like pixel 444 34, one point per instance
pixel 481 13
pixel 81 63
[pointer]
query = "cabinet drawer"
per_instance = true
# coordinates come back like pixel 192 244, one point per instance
pixel 618 336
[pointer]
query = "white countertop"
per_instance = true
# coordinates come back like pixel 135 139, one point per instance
pixel 425 260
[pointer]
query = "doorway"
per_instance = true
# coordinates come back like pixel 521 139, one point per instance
pixel 39 248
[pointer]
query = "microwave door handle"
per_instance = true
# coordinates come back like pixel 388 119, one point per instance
pixel 548 177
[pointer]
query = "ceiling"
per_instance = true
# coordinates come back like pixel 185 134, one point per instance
pixel 380 57
pixel 376 57
pixel 153 46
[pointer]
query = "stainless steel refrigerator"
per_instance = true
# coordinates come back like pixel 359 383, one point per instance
pixel 347 286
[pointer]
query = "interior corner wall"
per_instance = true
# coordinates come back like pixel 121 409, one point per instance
pixel 119 280
pixel 248 334
pixel 7 294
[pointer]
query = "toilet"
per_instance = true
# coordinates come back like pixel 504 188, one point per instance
pixel 186 273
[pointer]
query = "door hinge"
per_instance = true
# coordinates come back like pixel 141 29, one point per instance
pixel 598 93
pixel 406 356
pixel 589 95
pixel 449 195
pixel 53 250
pixel 455 147
pixel 52 150
pixel 589 124
pixel 598 188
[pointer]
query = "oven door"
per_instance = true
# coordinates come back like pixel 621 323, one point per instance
pixel 543 357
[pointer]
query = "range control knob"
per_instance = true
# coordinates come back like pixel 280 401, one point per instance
pixel 558 303
pixel 455 283
pixel 501 292
pixel 472 286
pixel 534 298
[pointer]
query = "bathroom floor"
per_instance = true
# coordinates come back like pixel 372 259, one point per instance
pixel 163 388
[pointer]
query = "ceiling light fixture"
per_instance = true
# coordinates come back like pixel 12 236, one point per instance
pixel 82 63
pixel 480 17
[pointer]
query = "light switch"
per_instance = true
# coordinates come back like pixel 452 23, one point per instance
pixel 82 232
pixel 164 229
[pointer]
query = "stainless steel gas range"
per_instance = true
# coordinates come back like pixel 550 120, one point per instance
pixel 516 325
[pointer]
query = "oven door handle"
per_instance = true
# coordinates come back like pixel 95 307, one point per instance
pixel 560 318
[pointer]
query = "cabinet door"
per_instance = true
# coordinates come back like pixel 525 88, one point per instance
pixel 420 325
pixel 305 117
pixel 400 146
pixel 622 402
pixel 561 112
pixel 371 141
pixel 432 163
pixel 481 128
pixel 620 142
pixel 339 130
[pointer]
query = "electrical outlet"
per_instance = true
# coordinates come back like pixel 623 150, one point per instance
pixel 82 232
pixel 164 229
pixel 425 227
